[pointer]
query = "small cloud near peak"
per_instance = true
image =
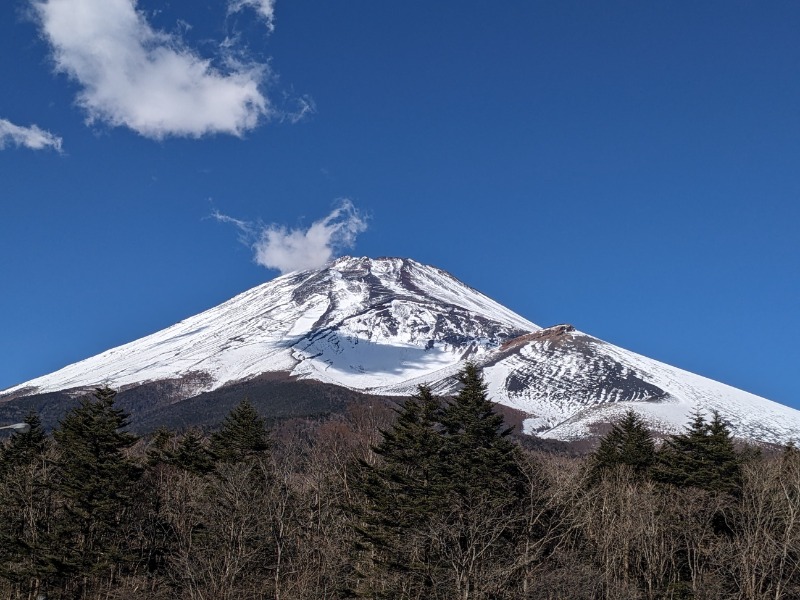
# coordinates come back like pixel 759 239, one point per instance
pixel 296 249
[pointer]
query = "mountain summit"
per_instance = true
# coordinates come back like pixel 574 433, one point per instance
pixel 384 325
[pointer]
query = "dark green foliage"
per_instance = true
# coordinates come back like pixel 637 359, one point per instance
pixel 727 476
pixel 477 451
pixel 683 459
pixel 189 452
pixel 94 483
pixel 704 456
pixel 402 490
pixel 243 434
pixel 23 448
pixel 629 443
pixel 192 455
pixel 409 451
pixel 159 450
pixel 442 468
pixel 431 512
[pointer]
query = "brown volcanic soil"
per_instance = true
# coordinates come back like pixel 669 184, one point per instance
pixel 550 333
pixel 277 397
pixel 152 405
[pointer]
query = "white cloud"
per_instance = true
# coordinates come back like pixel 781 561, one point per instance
pixel 286 250
pixel 30 137
pixel 135 76
pixel 264 8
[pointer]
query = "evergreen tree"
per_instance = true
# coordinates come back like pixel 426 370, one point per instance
pixel 482 522
pixel 160 448
pixel 682 460
pixel 478 455
pixel 243 435
pixel 727 474
pixel 401 490
pixel 188 453
pixel 22 448
pixel 192 455
pixel 410 449
pixel 443 470
pixel 94 484
pixel 24 506
pixel 703 456
pixel 628 443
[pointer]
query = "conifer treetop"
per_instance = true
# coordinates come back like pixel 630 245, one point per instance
pixel 243 434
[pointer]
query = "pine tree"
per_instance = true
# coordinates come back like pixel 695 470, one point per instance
pixel 703 456
pixel 243 435
pixel 188 453
pixel 94 484
pixel 160 448
pixel 22 448
pixel 192 455
pixel 629 443
pixel 445 472
pixel 727 474
pixel 477 454
pixel 482 521
pixel 401 490
pixel 410 449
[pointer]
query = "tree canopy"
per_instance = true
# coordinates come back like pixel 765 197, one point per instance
pixel 629 443
pixel 703 456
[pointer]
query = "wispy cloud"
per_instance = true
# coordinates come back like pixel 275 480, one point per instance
pixel 304 106
pixel 29 137
pixel 135 76
pixel 295 249
pixel 264 8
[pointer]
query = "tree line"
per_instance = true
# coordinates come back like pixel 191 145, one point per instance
pixel 431 500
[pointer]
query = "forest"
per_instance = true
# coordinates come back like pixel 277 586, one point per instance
pixel 431 499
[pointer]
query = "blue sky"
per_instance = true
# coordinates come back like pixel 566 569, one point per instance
pixel 628 167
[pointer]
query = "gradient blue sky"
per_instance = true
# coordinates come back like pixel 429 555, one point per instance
pixel 628 167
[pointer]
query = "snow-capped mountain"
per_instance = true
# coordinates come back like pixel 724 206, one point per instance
pixel 385 325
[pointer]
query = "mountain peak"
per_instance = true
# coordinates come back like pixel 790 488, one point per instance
pixel 365 323
pixel 385 325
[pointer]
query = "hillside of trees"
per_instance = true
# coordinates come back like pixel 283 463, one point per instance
pixel 431 500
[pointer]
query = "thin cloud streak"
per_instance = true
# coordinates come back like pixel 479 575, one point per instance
pixel 305 107
pixel 264 8
pixel 31 137
pixel 296 249
pixel 135 76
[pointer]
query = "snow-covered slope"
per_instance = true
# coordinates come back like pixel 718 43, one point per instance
pixel 572 382
pixel 360 323
pixel 387 325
